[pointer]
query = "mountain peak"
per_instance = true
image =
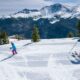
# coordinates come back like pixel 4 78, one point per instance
pixel 27 10
pixel 57 5
pixel 55 9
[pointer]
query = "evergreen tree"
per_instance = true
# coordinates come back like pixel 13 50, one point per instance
pixel 3 38
pixel 78 29
pixel 35 34
pixel 70 35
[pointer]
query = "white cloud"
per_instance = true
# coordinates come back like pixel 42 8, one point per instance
pixel 65 1
pixel 10 6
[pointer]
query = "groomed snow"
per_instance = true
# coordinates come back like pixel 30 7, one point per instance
pixel 48 59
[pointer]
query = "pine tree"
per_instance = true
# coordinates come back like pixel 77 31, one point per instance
pixel 35 34
pixel 70 35
pixel 78 29
pixel 3 38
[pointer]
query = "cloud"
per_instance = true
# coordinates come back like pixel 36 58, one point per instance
pixel 12 6
pixel 65 1
pixel 23 3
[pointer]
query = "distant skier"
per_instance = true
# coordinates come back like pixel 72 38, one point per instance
pixel 13 48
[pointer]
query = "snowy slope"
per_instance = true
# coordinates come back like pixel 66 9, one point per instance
pixel 48 59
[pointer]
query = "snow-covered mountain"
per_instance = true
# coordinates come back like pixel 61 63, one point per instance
pixel 54 21
pixel 54 9
pixel 53 12
pixel 64 11
pixel 26 13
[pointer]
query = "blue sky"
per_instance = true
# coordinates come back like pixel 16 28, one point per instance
pixel 12 6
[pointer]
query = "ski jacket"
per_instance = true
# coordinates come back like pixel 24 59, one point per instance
pixel 13 46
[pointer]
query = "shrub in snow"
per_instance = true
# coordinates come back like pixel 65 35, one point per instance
pixel 70 35
pixel 19 37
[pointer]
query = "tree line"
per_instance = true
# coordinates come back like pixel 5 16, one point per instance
pixel 4 39
pixel 35 35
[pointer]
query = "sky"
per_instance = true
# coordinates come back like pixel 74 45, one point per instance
pixel 11 6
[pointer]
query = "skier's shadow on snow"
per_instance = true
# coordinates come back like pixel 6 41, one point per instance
pixel 27 44
pixel 7 58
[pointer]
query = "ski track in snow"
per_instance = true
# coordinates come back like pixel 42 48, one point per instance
pixel 45 60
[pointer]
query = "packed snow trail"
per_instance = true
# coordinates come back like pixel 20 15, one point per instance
pixel 45 60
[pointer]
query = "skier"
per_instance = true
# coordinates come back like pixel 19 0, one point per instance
pixel 13 48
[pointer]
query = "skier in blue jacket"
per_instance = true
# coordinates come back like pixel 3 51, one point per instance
pixel 14 51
